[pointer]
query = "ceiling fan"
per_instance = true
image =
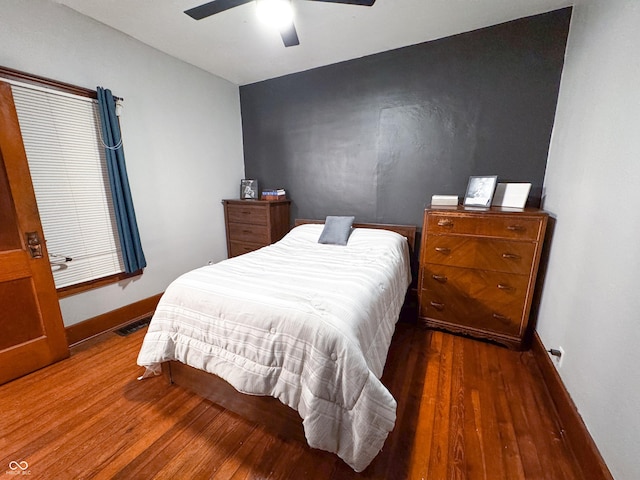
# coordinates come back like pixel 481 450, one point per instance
pixel 288 32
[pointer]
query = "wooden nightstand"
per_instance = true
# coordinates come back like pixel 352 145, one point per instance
pixel 252 224
pixel 478 271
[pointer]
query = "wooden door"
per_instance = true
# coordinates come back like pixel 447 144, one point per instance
pixel 31 328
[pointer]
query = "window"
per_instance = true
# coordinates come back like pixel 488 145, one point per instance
pixel 62 139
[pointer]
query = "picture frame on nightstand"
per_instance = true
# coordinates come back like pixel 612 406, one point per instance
pixel 249 189
pixel 480 190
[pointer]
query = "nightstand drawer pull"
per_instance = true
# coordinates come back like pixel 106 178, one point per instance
pixel 444 250
pixel 516 228
pixel 501 318
pixel 437 306
pixel 445 222
pixel 511 256
pixel 439 278
pixel 502 286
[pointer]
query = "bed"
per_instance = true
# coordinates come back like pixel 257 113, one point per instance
pixel 301 329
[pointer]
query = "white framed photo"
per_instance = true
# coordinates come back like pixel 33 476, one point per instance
pixel 480 190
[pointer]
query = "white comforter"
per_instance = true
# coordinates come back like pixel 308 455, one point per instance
pixel 307 323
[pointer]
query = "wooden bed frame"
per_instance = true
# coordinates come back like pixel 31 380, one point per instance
pixel 267 411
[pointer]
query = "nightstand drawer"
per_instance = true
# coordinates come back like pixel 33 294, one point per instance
pixel 479 252
pixel 502 226
pixel 253 214
pixel 246 232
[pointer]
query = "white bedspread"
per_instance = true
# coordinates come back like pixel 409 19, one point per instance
pixel 307 323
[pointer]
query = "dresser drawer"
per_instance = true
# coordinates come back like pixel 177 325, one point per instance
pixel 253 214
pixel 468 314
pixel 479 252
pixel 240 248
pixel 482 306
pixel 496 287
pixel 246 232
pixel 502 226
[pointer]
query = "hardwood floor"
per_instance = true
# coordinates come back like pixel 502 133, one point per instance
pixel 466 409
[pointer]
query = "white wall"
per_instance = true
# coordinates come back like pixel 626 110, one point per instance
pixel 182 138
pixel 591 298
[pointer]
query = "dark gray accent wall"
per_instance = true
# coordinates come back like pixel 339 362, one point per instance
pixel 375 137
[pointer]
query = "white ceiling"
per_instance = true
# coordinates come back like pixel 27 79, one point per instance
pixel 236 46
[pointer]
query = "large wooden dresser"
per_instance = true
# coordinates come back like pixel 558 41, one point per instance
pixel 252 224
pixel 478 271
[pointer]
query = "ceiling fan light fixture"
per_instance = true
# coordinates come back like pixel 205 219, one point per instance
pixel 275 13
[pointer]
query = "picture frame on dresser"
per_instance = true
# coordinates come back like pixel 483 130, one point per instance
pixel 249 189
pixel 480 190
pixel 511 195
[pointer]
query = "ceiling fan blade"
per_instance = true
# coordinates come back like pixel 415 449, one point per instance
pixel 290 36
pixel 364 3
pixel 211 8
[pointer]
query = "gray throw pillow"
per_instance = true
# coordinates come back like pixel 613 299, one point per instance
pixel 336 230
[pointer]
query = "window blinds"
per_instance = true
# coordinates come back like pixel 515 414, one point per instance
pixel 66 159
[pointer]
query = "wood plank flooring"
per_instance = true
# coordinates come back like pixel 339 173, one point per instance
pixel 466 410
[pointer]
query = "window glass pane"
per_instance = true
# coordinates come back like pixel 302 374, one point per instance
pixel 68 169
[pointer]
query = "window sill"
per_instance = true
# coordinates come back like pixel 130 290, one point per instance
pixel 97 283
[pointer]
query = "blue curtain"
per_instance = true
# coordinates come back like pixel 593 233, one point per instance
pixel 132 253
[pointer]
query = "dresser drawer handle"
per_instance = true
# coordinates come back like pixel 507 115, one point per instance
pixel 445 223
pixel 502 286
pixel 247 231
pixel 501 318
pixel 511 256
pixel 516 228
pixel 437 306
pixel 440 278
pixel 444 250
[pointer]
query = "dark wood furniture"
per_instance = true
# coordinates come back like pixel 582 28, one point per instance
pixel 253 224
pixel 478 271
pixel 269 412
